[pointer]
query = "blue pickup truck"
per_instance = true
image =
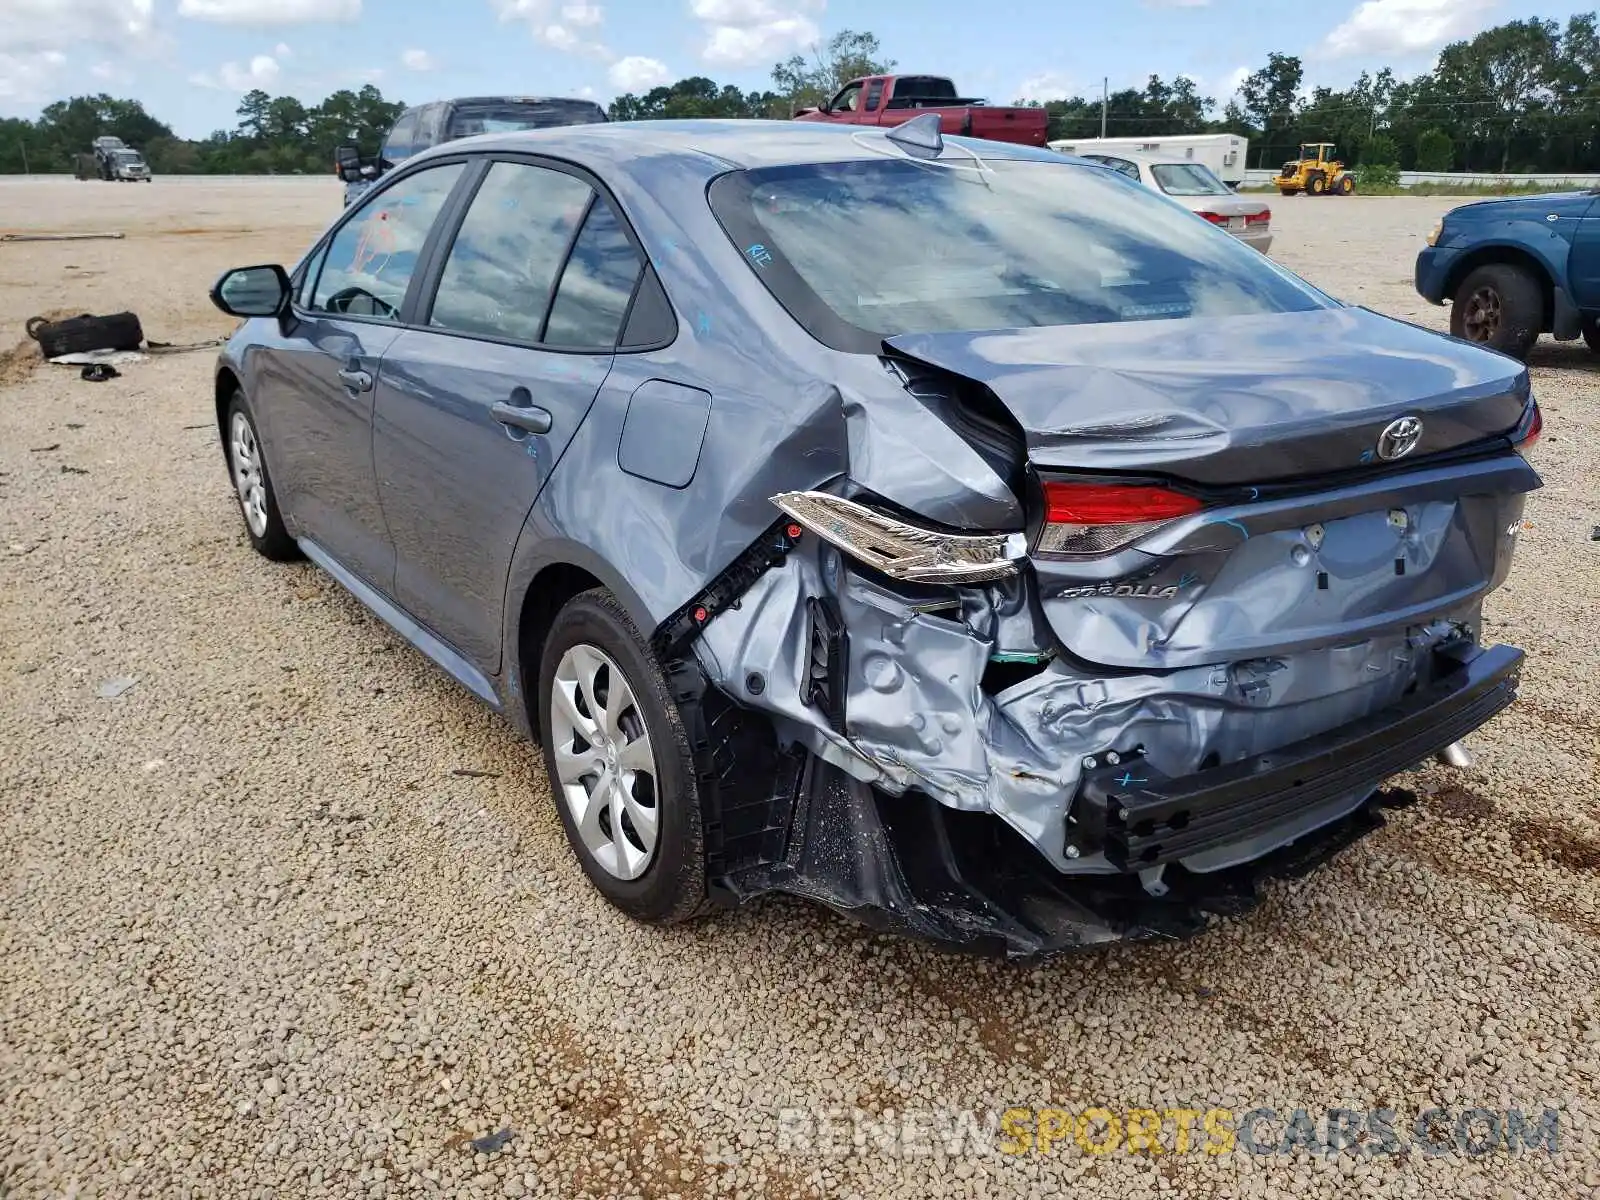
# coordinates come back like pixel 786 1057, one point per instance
pixel 1513 269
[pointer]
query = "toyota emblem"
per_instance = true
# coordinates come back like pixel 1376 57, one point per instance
pixel 1399 438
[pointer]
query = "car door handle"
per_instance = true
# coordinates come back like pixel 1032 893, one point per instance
pixel 532 418
pixel 356 380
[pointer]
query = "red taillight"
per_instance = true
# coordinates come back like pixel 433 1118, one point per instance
pixel 1214 218
pixel 1097 518
pixel 1261 218
pixel 1530 430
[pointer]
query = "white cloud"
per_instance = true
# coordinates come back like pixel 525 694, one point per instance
pixel 1046 85
pixel 262 71
pixel 636 73
pixel 541 17
pixel 1399 27
pixel 282 50
pixel 269 12
pixel 38 39
pixel 747 33
pixel 418 60
pixel 581 14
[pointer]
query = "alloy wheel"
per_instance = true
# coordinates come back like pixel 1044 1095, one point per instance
pixel 1482 319
pixel 248 476
pixel 604 762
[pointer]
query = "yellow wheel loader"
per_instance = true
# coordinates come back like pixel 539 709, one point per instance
pixel 1316 173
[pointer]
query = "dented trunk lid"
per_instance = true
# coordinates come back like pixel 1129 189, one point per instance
pixel 1338 558
pixel 1232 400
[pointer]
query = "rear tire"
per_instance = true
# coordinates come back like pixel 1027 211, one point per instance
pixel 620 763
pixel 1591 334
pixel 1317 185
pixel 1289 191
pixel 1500 306
pixel 1346 185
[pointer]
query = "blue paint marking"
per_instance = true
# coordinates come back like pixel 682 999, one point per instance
pixel 669 245
pixel 759 255
pixel 1367 456
pixel 531 448
pixel 1237 526
pixel 1128 779
pixel 704 323
pixel 1187 580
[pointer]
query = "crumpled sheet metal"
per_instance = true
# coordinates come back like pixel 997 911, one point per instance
pixel 918 718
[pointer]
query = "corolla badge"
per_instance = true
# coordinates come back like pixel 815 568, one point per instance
pixel 1399 438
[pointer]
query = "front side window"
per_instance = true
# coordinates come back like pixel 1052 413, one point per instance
pixel 1187 179
pixel 399 145
pixel 596 284
pixel 370 260
pixel 497 279
pixel 846 100
pixel 865 249
pixel 874 96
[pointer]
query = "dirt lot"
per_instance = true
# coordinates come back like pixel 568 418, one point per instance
pixel 262 934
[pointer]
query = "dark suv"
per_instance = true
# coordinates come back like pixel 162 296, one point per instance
pixel 427 125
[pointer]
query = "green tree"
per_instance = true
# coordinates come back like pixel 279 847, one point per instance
pixel 807 82
pixel 1435 150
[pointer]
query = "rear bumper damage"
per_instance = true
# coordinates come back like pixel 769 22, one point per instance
pixel 930 761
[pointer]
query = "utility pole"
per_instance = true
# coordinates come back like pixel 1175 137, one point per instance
pixel 1105 99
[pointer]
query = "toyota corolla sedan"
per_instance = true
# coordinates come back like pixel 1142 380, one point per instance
pixel 940 530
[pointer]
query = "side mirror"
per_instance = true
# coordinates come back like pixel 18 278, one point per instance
pixel 253 291
pixel 347 161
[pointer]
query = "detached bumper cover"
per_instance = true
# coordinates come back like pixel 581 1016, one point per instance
pixel 1141 819
pixel 909 865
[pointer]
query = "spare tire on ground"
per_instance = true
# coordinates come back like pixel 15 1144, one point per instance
pixel 78 335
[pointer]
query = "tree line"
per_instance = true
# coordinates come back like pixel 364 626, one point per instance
pixel 1519 97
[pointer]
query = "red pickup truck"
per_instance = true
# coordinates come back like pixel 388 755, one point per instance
pixel 893 99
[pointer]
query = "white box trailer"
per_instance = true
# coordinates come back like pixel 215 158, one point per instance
pixel 1225 153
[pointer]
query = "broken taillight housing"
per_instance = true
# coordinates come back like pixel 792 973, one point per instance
pixel 1264 217
pixel 899 548
pixel 1087 519
pixel 1529 429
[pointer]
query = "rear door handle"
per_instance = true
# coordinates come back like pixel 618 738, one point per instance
pixel 356 380
pixel 532 418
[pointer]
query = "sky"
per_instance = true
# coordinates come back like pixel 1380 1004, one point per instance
pixel 189 61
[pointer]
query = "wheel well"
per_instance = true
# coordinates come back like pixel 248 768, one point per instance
pixel 546 596
pixel 1511 256
pixel 227 384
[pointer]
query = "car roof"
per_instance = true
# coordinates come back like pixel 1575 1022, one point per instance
pixel 712 146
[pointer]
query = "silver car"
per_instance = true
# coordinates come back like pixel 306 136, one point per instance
pixel 938 529
pixel 1194 186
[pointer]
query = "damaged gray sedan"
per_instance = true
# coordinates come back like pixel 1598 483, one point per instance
pixel 949 532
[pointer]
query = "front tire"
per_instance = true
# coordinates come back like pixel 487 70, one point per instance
pixel 1317 185
pixel 620 763
pixel 1500 306
pixel 252 484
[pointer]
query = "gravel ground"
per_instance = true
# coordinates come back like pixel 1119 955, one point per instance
pixel 262 934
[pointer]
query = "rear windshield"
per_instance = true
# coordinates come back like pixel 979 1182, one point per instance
pixel 513 116
pixel 863 250
pixel 1187 179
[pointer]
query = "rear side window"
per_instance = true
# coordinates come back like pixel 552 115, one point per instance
pixel 596 285
pixel 874 95
pixel 370 260
pixel 501 268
